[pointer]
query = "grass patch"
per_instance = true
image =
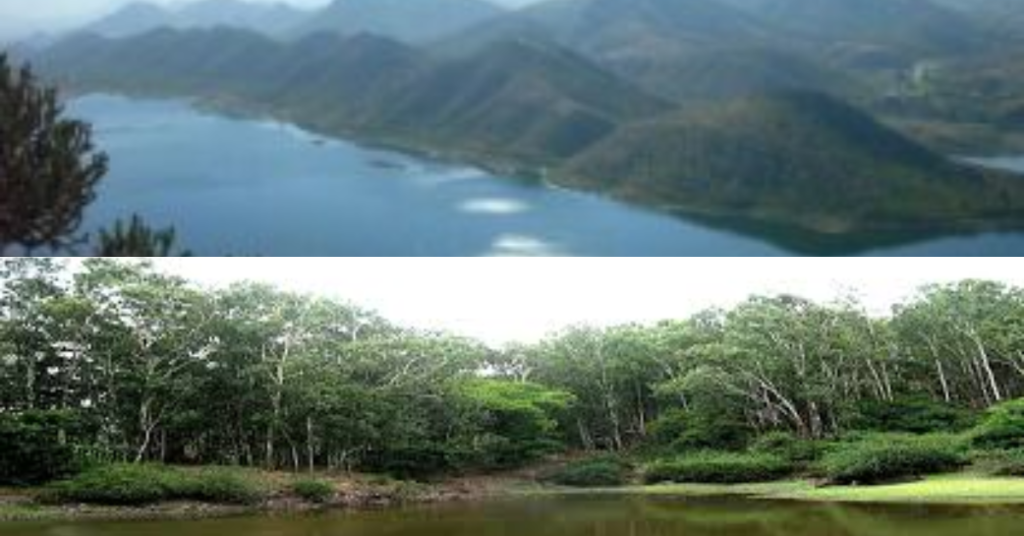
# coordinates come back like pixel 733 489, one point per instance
pixel 957 488
pixel 944 489
pixel 136 485
pixel 719 468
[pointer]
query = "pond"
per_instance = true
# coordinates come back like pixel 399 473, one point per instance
pixel 246 187
pixel 581 516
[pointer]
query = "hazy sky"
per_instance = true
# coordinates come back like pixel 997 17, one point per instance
pixel 26 16
pixel 500 300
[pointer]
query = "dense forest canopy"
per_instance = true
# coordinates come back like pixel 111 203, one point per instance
pixel 125 363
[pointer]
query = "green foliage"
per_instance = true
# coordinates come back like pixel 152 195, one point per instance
pixel 35 447
pixel 880 458
pixel 601 471
pixel 139 484
pixel 313 490
pixel 514 422
pixel 788 446
pixel 698 430
pixel 1002 462
pixel 718 468
pixel 1002 427
pixel 136 239
pixel 911 414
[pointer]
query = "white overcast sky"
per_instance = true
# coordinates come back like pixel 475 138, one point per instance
pixel 502 300
pixel 20 17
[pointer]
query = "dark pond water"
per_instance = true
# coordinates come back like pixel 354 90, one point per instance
pixel 582 516
pixel 236 187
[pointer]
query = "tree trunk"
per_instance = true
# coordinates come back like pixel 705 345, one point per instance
pixel 309 443
pixel 942 380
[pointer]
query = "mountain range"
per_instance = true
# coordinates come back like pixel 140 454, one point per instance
pixel 827 115
pixel 137 18
pixel 410 21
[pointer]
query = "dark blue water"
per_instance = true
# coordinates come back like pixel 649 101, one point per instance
pixel 245 187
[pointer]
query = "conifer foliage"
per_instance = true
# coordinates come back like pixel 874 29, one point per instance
pixel 49 166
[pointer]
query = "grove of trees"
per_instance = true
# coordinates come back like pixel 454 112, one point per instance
pixel 117 361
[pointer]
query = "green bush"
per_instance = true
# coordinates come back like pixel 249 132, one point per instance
pixel 919 414
pixel 889 457
pixel 592 472
pixel 317 491
pixel 131 485
pixel 788 446
pixel 687 431
pixel 719 468
pixel 1002 463
pixel 219 485
pixel 1002 427
pixel 34 447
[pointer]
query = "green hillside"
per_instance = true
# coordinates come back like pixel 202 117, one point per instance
pixel 798 158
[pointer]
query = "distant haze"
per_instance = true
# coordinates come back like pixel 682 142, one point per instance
pixel 19 18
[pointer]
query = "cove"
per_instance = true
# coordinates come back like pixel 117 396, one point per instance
pixel 234 186
pixel 581 516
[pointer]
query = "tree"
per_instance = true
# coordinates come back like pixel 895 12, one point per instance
pixel 155 338
pixel 48 165
pixel 136 239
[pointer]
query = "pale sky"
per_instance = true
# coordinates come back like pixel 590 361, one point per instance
pixel 502 300
pixel 21 17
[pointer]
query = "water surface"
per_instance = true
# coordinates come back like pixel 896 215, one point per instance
pixel 582 516
pixel 235 186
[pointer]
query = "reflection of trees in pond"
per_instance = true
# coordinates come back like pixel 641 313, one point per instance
pixel 611 515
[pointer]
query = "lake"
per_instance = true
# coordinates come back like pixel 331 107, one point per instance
pixel 247 187
pixel 580 516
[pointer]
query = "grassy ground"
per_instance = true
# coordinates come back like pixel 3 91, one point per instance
pixel 963 488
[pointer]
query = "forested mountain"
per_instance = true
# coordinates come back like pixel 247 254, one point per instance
pixel 1004 15
pixel 137 18
pixel 898 27
pixel 410 21
pixel 800 158
pixel 511 101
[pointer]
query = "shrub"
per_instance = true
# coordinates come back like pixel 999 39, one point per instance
pixel 1003 463
pixel 687 431
pixel 34 447
pixel 788 446
pixel 131 485
pixel 911 414
pixel 719 468
pixel 888 457
pixel 218 485
pixel 1002 427
pixel 119 484
pixel 317 491
pixel 593 472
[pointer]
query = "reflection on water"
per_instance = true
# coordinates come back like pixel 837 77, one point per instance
pixel 584 516
pixel 233 187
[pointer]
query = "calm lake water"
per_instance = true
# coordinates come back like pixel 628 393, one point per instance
pixel 581 516
pixel 245 187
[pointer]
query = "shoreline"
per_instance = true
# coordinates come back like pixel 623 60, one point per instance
pixel 539 173
pixel 959 489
